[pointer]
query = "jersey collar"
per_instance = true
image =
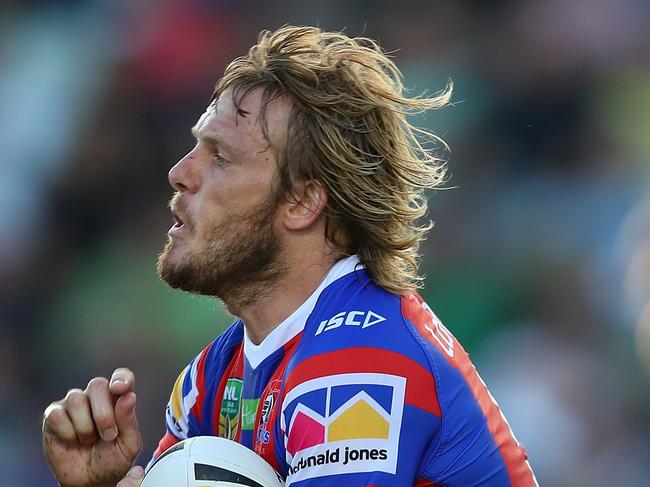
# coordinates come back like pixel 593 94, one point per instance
pixel 294 324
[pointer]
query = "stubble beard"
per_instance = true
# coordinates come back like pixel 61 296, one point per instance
pixel 239 262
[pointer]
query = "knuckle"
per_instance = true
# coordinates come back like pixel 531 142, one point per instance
pixel 124 375
pixel 53 414
pixel 137 445
pixel 85 429
pixel 51 407
pixel 97 383
pixel 75 397
pixel 104 421
pixel 122 371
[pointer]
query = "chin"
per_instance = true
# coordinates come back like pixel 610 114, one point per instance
pixel 172 253
pixel 169 259
pixel 176 247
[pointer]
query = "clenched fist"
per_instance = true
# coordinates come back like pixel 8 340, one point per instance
pixel 91 437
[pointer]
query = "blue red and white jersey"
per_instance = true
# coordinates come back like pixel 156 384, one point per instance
pixel 357 387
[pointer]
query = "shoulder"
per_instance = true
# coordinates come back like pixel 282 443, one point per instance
pixel 352 312
pixel 378 374
pixel 357 319
pixel 361 332
pixel 213 358
pixel 355 325
pixel 358 390
pixel 219 353
pixel 468 411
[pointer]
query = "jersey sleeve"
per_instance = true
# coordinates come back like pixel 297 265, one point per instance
pixel 382 398
pixel 476 446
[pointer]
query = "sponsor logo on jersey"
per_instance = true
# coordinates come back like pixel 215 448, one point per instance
pixel 346 423
pixel 361 319
pixel 248 413
pixel 230 407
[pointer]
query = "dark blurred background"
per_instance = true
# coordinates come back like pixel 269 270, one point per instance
pixel 539 261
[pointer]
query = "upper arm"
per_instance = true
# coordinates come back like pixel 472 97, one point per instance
pixel 477 446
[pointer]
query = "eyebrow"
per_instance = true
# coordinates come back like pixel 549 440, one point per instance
pixel 210 138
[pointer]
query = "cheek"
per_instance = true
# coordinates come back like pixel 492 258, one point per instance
pixel 209 215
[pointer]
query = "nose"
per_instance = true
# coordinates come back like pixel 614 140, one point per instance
pixel 184 176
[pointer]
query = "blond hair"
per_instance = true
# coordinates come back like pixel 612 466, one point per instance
pixel 349 131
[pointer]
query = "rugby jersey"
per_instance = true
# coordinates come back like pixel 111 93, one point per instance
pixel 357 387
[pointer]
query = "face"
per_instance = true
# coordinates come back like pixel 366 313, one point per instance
pixel 224 241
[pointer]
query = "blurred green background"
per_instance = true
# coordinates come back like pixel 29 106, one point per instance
pixel 539 261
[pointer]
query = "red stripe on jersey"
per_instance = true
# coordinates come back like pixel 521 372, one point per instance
pixel 418 483
pixel 234 369
pixel 421 482
pixel 267 450
pixel 512 452
pixel 425 483
pixel 166 441
pixel 197 409
pixel 420 384
pixel 430 327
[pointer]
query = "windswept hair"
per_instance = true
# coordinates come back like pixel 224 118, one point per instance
pixel 349 131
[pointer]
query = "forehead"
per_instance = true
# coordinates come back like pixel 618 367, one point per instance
pixel 239 126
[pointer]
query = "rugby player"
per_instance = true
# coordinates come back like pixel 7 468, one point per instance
pixel 300 208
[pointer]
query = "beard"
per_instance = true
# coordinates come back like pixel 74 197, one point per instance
pixel 238 262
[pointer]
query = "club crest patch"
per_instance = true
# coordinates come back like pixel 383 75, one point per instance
pixel 266 413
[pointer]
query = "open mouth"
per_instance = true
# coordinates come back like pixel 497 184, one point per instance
pixel 178 222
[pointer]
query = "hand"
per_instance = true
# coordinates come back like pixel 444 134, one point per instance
pixel 133 478
pixel 91 437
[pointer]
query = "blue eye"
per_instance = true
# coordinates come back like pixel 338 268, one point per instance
pixel 219 160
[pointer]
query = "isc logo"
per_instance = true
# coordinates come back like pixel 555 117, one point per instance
pixel 364 319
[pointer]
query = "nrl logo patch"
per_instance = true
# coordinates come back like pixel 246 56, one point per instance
pixel 230 407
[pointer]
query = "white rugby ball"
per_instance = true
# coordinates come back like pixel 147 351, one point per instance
pixel 209 461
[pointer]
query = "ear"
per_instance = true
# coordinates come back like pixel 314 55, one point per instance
pixel 306 204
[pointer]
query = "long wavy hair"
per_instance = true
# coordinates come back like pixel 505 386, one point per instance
pixel 349 130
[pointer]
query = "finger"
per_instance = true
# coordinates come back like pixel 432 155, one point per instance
pixel 101 406
pixel 122 381
pixel 127 424
pixel 133 477
pixel 78 408
pixel 56 422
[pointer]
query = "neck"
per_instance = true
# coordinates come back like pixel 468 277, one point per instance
pixel 263 306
